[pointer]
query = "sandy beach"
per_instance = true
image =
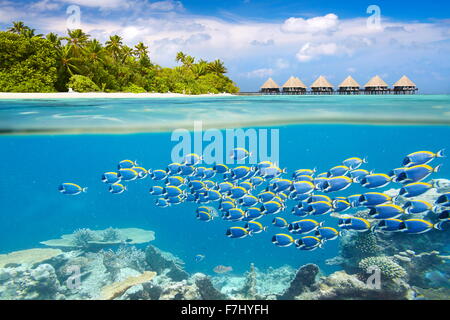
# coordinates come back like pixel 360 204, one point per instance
pixel 101 95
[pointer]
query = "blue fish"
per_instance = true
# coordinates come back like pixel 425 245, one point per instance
pixel 375 180
pixel 156 191
pixel 239 154
pixel 237 232
pixel 221 168
pixel 319 208
pixel 272 207
pixel 127 174
pixel 253 213
pixel 386 211
pixel 174 168
pixel 354 223
pixel 338 171
pixel 416 173
pixel 304 226
pixel 417 226
pixel 255 227
pixel 282 240
pixel 417 206
pixel 337 184
pixel 126 164
pixel 390 225
pixel 71 188
pixel 110 177
pixel 421 157
pixel 308 243
pixel 370 199
pixel 192 159
pixel 280 222
pixel 157 174
pixel 354 162
pixel 415 189
pixel 327 233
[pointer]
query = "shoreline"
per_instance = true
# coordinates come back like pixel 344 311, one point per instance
pixel 101 95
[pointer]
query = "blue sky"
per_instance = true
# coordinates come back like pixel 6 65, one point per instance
pixel 261 39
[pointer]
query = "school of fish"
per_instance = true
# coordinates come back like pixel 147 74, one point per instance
pixel 243 194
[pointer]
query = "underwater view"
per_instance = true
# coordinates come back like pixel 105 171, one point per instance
pixel 224 198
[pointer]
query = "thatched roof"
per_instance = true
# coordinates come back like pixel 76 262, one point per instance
pixel 270 84
pixel 294 82
pixel 349 82
pixel 321 82
pixel 404 82
pixel 376 82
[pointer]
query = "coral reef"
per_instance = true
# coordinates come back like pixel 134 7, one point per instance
pixel 206 288
pixel 158 260
pixel 82 237
pixel 343 286
pixel 116 289
pixel 29 256
pixel 110 235
pixel 388 268
pixel 94 240
pixel 22 283
pixel 304 280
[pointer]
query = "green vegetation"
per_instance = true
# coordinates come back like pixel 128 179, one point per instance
pixel 30 62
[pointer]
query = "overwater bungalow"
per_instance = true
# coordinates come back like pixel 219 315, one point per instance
pixel 321 86
pixel 404 86
pixel 349 86
pixel 294 86
pixel 270 87
pixel 376 85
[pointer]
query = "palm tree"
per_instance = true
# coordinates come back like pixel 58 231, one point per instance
pixel 188 61
pixel 141 50
pixel 114 45
pixel 67 62
pixel 30 33
pixel 18 27
pixel 54 39
pixel 76 40
pixel 217 67
pixel 199 69
pixel 94 51
pixel 126 53
pixel 180 57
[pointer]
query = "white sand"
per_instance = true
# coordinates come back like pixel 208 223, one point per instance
pixel 102 95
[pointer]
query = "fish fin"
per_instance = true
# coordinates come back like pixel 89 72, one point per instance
pixel 149 171
pixel 321 223
pixel 440 153
pixel 85 189
pixel 136 164
pixel 437 168
pixel 436 209
pixel 437 226
pixel 364 160
pixel 265 228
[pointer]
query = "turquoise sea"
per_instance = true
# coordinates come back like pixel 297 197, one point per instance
pixel 47 142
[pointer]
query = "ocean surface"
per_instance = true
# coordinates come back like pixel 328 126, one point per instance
pixel 47 142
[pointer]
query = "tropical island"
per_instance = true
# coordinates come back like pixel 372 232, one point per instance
pixel 31 62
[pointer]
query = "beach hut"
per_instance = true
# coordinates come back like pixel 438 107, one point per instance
pixel 321 86
pixel 270 87
pixel 405 86
pixel 294 86
pixel 349 86
pixel 376 85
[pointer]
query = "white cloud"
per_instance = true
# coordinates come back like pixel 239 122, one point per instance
pixel 310 51
pixel 259 73
pixel 104 4
pixel 168 5
pixel 325 23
